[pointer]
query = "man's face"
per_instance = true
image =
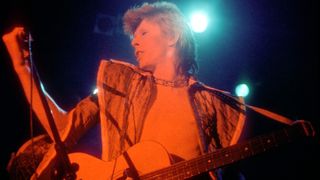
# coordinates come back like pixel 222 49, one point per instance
pixel 150 44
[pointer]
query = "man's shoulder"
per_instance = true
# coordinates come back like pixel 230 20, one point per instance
pixel 121 66
pixel 118 62
pixel 198 85
pixel 209 91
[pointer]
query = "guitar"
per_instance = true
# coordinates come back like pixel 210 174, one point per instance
pixel 150 160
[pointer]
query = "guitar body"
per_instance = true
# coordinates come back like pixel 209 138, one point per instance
pixel 151 152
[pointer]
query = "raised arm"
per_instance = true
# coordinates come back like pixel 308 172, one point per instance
pixel 13 43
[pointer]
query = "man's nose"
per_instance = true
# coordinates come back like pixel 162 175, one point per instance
pixel 134 42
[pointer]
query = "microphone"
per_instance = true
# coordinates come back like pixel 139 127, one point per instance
pixel 25 40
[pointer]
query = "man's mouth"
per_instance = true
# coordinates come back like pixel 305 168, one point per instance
pixel 138 53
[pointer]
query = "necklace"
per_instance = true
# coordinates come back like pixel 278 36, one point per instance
pixel 176 83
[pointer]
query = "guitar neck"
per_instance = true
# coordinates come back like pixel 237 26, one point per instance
pixel 231 154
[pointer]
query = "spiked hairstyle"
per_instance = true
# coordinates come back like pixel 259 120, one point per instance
pixel 171 20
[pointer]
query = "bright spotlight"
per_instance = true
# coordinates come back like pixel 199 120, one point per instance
pixel 199 22
pixel 242 90
pixel 95 91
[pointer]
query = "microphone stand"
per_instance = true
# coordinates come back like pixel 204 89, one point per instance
pixel 68 169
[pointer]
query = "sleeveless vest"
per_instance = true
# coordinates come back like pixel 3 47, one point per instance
pixel 126 93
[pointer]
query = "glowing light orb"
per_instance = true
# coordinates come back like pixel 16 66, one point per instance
pixel 95 91
pixel 242 90
pixel 199 22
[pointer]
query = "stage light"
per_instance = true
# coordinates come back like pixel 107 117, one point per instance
pixel 199 21
pixel 242 90
pixel 95 91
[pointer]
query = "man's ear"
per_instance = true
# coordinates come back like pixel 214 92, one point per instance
pixel 173 38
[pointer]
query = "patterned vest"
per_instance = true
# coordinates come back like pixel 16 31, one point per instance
pixel 126 93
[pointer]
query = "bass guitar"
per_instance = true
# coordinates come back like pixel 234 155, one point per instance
pixel 150 160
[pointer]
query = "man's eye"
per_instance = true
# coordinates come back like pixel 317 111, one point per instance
pixel 144 33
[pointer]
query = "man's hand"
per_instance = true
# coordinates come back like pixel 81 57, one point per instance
pixel 14 43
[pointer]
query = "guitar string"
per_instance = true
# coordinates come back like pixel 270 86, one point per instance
pixel 199 162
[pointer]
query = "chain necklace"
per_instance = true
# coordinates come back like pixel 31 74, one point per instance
pixel 175 84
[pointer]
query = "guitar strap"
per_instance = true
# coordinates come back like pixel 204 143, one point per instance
pixel 132 172
pixel 262 111
pixel 271 115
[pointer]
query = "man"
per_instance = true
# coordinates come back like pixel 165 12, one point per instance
pixel 159 101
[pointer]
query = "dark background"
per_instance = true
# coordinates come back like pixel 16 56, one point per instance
pixel 273 45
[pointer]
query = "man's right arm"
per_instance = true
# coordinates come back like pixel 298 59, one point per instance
pixel 12 41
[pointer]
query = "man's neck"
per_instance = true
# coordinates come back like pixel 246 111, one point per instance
pixel 168 71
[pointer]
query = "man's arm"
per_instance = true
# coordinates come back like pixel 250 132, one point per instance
pixel 13 43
